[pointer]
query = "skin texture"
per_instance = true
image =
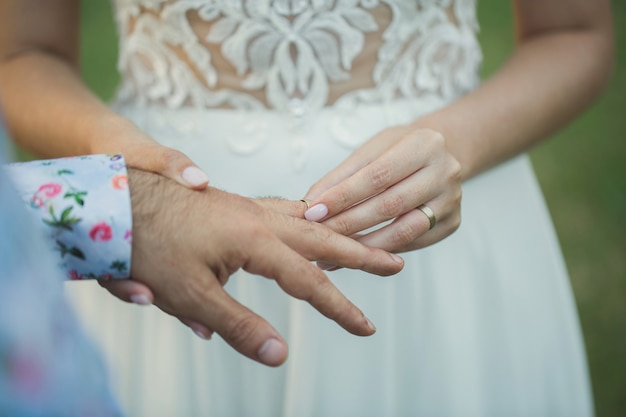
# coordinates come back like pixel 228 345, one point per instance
pixel 194 263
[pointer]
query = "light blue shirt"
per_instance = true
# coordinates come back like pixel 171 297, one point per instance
pixel 47 365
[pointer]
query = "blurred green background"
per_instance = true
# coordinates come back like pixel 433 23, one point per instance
pixel 582 171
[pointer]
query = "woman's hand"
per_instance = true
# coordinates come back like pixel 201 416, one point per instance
pixel 142 152
pixel 388 178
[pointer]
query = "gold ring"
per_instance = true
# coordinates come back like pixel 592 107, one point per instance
pixel 430 214
pixel 307 202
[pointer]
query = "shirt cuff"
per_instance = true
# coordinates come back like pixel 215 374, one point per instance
pixel 83 207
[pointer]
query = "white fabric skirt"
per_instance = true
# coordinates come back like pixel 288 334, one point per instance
pixel 481 324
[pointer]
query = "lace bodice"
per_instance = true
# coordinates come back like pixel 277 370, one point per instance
pixel 294 55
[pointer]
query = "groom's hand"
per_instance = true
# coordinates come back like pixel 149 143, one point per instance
pixel 186 244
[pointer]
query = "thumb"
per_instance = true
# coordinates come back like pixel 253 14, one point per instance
pixel 143 152
pixel 170 163
pixel 129 291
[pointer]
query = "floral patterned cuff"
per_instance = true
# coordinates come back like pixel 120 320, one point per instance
pixel 83 206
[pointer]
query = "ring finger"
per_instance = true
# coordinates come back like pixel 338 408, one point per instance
pixel 393 202
pixel 413 230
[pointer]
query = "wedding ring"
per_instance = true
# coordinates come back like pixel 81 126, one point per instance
pixel 307 202
pixel 430 214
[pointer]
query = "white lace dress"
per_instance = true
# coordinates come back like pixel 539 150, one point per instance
pixel 269 95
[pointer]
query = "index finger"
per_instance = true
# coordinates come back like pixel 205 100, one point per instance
pixel 392 166
pixel 317 242
pixel 244 330
pixel 301 279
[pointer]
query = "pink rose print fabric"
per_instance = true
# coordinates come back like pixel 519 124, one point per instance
pixel 84 204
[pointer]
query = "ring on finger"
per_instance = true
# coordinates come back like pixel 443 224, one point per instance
pixel 430 214
pixel 307 202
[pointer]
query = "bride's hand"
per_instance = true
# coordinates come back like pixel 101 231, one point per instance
pixel 142 152
pixel 388 178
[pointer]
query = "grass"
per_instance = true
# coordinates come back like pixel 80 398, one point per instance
pixel 582 171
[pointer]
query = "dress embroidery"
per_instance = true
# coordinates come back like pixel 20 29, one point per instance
pixel 293 51
pixel 293 57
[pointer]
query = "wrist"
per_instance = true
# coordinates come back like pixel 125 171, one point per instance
pixel 108 133
pixel 444 124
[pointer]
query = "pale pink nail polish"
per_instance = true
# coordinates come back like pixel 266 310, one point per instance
pixel 271 352
pixel 202 335
pixel 194 176
pixel 140 299
pixel 316 213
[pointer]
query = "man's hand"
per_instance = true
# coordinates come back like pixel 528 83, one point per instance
pixel 187 243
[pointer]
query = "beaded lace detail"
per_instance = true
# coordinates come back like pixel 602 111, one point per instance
pixel 294 55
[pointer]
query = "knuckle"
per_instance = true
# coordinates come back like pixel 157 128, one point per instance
pixel 322 293
pixel 391 206
pixel 324 234
pixel 311 288
pixel 323 286
pixel 255 232
pixel 379 176
pixel 341 224
pixel 434 137
pixel 254 210
pixel 458 196
pixel 344 197
pixel 364 263
pixel 404 233
pixel 165 158
pixel 241 330
pixel 431 140
pixel 456 170
pixel 346 312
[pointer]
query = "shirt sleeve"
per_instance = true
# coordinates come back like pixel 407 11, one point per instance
pixel 82 205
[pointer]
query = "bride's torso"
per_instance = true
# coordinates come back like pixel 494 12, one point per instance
pixel 294 55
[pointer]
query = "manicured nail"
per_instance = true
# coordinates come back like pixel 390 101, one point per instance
pixel 198 329
pixel 194 176
pixel 140 299
pixel 396 258
pixel 272 352
pixel 316 213
pixel 370 324
pixel 326 266
pixel 201 334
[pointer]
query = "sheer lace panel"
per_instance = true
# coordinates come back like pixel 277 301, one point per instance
pixel 294 55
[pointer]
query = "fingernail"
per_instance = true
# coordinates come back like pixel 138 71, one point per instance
pixel 272 352
pixel 370 324
pixel 396 258
pixel 140 299
pixel 201 334
pixel 316 213
pixel 194 176
pixel 325 266
pixel 198 329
